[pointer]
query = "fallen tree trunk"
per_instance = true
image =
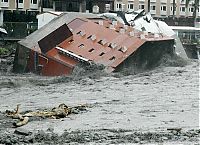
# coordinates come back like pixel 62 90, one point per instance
pixel 22 122
pixel 58 112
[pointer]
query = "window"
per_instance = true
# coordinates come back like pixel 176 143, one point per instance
pixel 81 46
pixel 163 8
pixel 101 54
pixel 102 42
pixel 91 50
pixel 153 7
pixel 183 9
pixel 112 58
pixel 47 3
pixel 92 37
pixel 58 6
pixel 192 9
pixel 141 6
pixel 5 1
pixel 20 1
pixel 172 9
pixel 130 6
pixel 34 1
pixel 119 6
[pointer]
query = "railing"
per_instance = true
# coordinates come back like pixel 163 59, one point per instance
pixel 18 30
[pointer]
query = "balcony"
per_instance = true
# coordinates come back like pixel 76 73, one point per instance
pixel 163 1
pixel 164 13
pixel 20 5
pixel 153 12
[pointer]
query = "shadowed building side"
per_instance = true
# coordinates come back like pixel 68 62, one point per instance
pixel 83 5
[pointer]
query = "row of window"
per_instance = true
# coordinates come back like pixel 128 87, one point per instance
pixel 21 1
pixel 130 6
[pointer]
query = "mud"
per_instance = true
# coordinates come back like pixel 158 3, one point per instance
pixel 127 107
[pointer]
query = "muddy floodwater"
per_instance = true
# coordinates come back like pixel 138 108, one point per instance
pixel 123 108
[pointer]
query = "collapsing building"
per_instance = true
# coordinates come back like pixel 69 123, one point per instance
pixel 88 40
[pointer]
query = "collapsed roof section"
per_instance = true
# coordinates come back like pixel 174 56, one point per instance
pixel 141 21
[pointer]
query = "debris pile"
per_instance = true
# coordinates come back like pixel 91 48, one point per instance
pixel 61 111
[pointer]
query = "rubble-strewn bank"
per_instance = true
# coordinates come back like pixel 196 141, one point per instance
pixel 101 136
pixel 126 107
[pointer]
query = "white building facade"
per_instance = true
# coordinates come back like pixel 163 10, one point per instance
pixel 158 8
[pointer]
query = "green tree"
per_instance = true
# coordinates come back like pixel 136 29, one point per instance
pixel 195 5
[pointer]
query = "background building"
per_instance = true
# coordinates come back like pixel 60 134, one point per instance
pixel 22 6
pixel 83 5
pixel 158 8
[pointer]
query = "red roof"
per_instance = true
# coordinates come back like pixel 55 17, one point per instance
pixel 100 41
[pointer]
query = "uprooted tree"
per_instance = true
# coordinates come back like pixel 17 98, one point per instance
pixel 61 111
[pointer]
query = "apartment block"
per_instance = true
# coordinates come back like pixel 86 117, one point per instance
pixel 24 6
pixel 83 5
pixel 158 8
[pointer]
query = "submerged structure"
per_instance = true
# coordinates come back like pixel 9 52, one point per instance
pixel 190 38
pixel 58 47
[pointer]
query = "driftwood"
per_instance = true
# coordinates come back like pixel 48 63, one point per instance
pixel 21 122
pixel 58 112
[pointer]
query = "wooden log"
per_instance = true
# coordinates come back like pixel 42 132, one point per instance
pixel 22 122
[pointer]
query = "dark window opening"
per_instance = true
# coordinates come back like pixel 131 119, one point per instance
pixel 100 41
pixel 112 45
pixel 131 6
pixel 70 41
pixel 58 6
pixel 47 3
pixel 81 46
pixel 101 54
pixel 120 6
pixel 91 50
pixel 78 32
pixel 112 58
pixel 164 8
pixel 153 7
pixel 34 1
pixel 123 49
pixel 20 1
pixel 89 37
pixel 81 33
pixel 120 50
pixel 70 8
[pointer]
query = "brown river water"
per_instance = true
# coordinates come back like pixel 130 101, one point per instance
pixel 125 107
